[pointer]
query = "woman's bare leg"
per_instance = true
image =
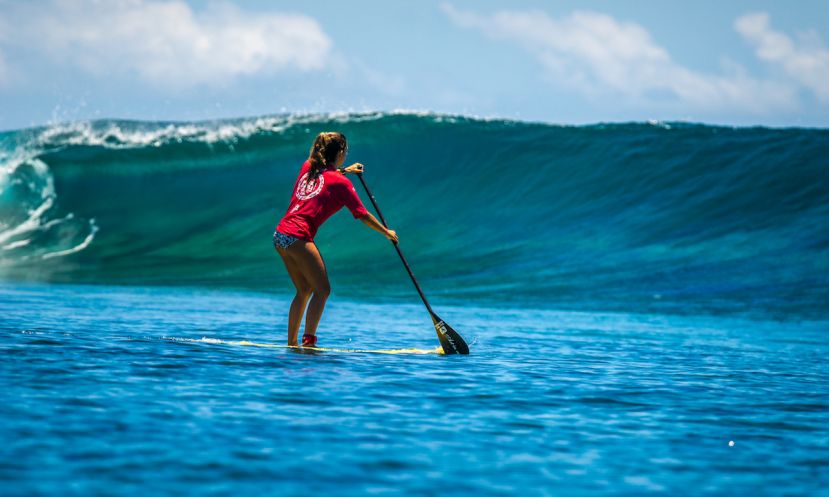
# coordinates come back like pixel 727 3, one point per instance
pixel 310 264
pixel 303 293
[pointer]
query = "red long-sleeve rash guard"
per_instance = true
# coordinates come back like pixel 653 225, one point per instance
pixel 315 201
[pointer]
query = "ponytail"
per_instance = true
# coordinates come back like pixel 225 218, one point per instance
pixel 324 152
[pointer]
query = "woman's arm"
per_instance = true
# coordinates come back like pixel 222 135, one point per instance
pixel 374 224
pixel 368 219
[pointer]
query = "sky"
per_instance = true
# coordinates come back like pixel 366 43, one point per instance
pixel 736 62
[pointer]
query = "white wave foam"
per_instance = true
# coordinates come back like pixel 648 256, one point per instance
pixel 37 185
pixel 46 194
pixel 135 134
pixel 93 228
pixel 129 134
pixel 17 244
pixel 32 223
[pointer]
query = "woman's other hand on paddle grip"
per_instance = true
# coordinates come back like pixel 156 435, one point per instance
pixel 355 168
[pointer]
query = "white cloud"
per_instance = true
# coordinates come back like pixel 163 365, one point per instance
pixel 599 55
pixel 167 43
pixel 806 62
pixel 4 71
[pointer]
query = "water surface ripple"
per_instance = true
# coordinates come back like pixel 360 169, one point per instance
pixel 112 390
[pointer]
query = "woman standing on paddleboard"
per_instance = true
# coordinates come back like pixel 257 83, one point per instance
pixel 320 190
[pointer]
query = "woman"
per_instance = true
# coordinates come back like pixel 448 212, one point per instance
pixel 320 190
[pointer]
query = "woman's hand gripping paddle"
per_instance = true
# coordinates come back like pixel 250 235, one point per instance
pixel 450 340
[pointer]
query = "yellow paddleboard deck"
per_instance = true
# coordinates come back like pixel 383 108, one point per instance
pixel 246 343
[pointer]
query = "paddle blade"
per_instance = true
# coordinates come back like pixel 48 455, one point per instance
pixel 450 340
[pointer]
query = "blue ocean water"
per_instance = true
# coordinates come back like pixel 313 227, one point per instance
pixel 130 391
pixel 636 296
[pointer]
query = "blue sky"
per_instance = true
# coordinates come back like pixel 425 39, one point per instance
pixel 735 62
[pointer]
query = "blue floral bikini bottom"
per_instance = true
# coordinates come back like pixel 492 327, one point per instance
pixel 283 241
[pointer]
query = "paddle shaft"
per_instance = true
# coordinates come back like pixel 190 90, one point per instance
pixel 397 247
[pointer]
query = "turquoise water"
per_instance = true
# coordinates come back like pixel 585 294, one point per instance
pixel 635 296
pixel 678 218
pixel 115 391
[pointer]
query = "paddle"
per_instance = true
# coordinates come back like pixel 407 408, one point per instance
pixel 449 339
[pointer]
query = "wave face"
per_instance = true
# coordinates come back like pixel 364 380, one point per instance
pixel 675 217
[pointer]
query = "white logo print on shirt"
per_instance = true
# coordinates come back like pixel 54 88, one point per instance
pixel 306 189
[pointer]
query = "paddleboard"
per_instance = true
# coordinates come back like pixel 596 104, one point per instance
pixel 246 343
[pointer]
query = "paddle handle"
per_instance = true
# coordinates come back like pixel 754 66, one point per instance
pixel 397 247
